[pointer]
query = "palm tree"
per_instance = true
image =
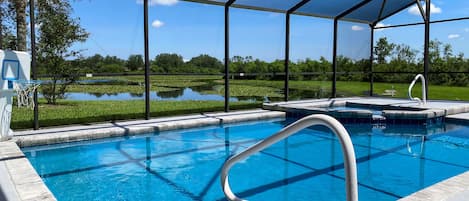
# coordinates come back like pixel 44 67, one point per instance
pixel 1 24
pixel 21 29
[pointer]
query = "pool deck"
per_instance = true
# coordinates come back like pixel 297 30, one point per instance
pixel 452 107
pixel 453 189
pixel 24 184
pixel 392 108
pixel 20 182
pixel 463 117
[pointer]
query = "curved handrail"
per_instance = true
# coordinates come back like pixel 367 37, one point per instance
pixel 317 119
pixel 424 91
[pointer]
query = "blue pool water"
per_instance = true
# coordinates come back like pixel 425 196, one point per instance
pixel 184 165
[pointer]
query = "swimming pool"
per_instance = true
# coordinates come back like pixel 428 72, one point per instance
pixel 178 165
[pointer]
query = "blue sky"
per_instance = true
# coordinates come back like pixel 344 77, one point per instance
pixel 190 29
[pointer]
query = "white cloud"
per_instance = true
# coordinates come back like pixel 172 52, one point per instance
pixel 357 28
pixel 453 36
pixel 157 24
pixel 414 10
pixel 381 25
pixel 159 2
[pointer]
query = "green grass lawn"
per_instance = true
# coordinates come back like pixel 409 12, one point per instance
pixel 361 88
pixel 79 112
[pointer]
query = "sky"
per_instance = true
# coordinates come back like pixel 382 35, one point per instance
pixel 191 29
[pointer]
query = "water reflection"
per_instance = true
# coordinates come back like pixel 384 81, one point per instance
pixel 199 93
pixel 177 95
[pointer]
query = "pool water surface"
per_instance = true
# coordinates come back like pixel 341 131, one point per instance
pixel 392 162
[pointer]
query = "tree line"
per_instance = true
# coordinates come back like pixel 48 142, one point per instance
pixel 162 63
pixel 392 62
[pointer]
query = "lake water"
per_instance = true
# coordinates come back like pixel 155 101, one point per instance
pixel 177 95
pixel 195 93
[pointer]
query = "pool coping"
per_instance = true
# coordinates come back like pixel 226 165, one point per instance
pixel 453 189
pixel 24 184
pixel 393 110
pixel 21 181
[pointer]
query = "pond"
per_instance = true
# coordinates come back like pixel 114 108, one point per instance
pixel 199 93
pixel 177 95
pixel 185 94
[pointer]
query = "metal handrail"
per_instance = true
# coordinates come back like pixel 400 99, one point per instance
pixel 424 91
pixel 317 119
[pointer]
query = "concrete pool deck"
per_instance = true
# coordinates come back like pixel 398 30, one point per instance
pixel 453 189
pixel 393 110
pixel 451 107
pixel 23 183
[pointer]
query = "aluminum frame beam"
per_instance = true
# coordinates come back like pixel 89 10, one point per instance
pixel 426 56
pixel 227 54
pixel 32 19
pixel 209 2
pixel 1 30
pixel 286 90
pixel 372 39
pixel 147 60
pixel 423 23
pixel 393 13
pixel 287 47
pixel 422 12
pixel 334 49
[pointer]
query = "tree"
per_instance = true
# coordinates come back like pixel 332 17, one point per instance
pixel 2 11
pixel 382 50
pixel 94 62
pixel 135 62
pixel 21 25
pixel 111 68
pixel 434 50
pixel 7 38
pixel 404 53
pixel 169 62
pixel 59 31
pixel 207 62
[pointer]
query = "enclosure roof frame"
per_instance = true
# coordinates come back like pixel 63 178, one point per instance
pixel 297 8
